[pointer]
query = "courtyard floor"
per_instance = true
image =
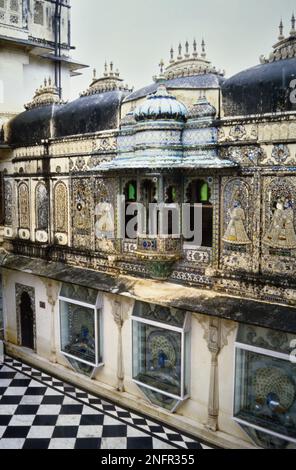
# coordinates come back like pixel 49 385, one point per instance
pixel 38 411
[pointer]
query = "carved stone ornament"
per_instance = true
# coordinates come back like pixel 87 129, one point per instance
pixel 216 333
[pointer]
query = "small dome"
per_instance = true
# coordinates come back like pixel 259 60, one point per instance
pixel 202 109
pixel 161 105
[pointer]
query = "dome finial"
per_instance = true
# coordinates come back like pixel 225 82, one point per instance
pixel 187 50
pixel 194 49
pixel 203 49
pixel 180 52
pixel 293 31
pixel 172 55
pixel 281 29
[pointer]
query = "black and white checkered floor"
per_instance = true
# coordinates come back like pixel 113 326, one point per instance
pixel 38 411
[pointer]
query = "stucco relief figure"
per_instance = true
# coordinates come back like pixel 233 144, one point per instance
pixel 281 233
pixel 236 232
pixel 105 222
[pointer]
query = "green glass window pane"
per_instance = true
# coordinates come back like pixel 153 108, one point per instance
pixel 204 192
pixel 132 192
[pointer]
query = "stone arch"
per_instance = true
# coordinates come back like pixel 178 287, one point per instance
pixel 61 207
pixel 24 205
pixel 41 206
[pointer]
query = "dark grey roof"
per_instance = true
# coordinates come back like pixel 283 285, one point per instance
pixel 97 112
pixel 30 127
pixel 260 89
pixel 209 80
pixel 94 113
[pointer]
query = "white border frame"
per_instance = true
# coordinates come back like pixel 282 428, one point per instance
pixel 182 331
pixel 266 352
pixel 97 312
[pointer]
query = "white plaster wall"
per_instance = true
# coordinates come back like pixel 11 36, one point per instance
pixel 12 62
pixel 43 316
pixel 194 409
pixel 21 75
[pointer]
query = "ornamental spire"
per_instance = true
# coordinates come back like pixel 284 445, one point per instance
pixel 187 50
pixel 180 52
pixel 203 49
pixel 293 31
pixel 281 30
pixel 111 68
pixel 194 49
pixel 172 55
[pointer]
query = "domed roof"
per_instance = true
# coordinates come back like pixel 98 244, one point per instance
pixel 161 105
pixel 35 124
pixel 87 114
pixel 97 109
pixel 202 109
pixel 261 89
pixel 264 88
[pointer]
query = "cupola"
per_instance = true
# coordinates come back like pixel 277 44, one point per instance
pixel 161 105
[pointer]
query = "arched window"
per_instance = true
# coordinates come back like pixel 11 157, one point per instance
pixel 130 194
pixel 199 192
pixel 148 196
pixel 60 208
pixel 171 198
pixel 7 203
pixel 42 207
pixel 24 206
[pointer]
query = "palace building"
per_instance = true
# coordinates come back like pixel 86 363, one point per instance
pixel 200 337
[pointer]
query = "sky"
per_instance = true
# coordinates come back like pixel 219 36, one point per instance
pixel 137 34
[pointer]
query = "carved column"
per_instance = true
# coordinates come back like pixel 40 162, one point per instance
pixel 216 334
pixel 52 296
pixel 119 320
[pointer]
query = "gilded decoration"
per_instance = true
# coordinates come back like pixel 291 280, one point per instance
pixel 61 207
pixel 82 212
pixel 24 206
pixel 236 232
pixel 105 214
pixel 280 214
pixel 279 225
pixel 236 223
pixel 245 156
pixel 8 203
pixel 42 207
